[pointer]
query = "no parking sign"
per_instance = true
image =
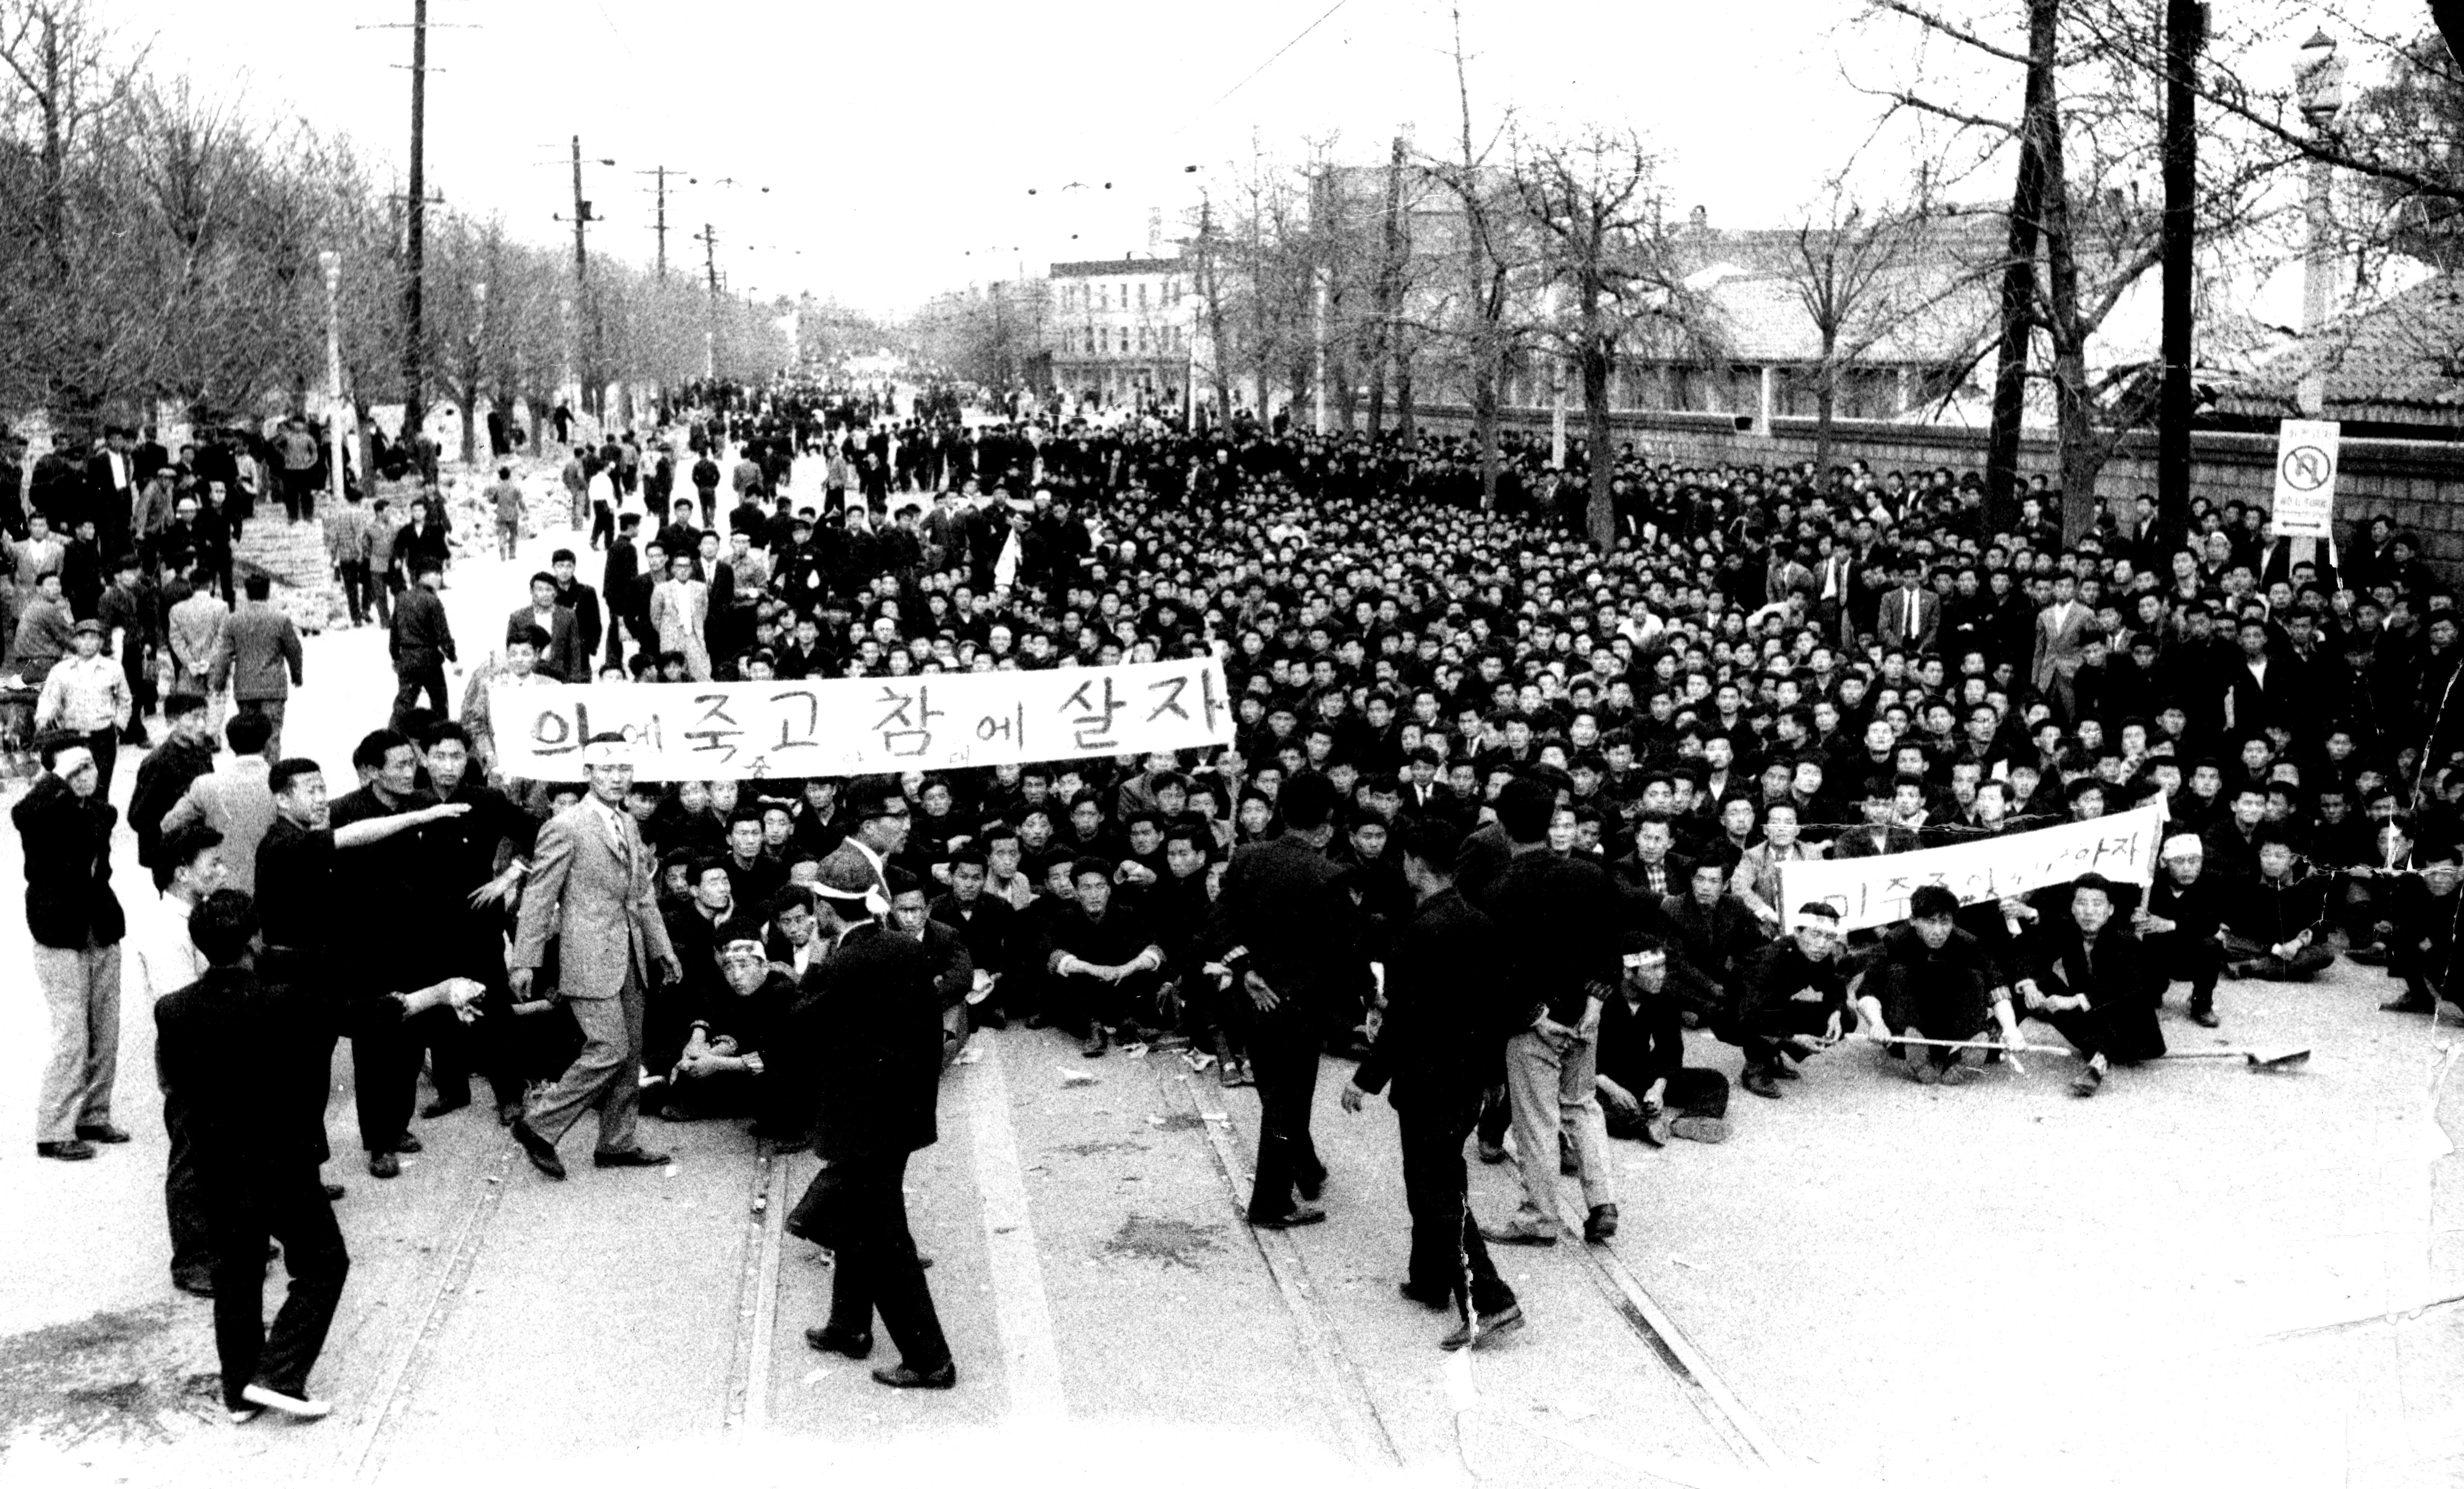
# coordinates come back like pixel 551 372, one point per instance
pixel 2306 458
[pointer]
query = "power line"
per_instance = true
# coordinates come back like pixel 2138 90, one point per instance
pixel 1279 51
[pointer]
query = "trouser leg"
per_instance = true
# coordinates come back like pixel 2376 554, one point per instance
pixel 1531 1086
pixel 1284 1064
pixel 1696 1093
pixel 1496 1114
pixel 605 1047
pixel 300 1217
pixel 385 1078
pixel 184 1198
pixel 900 1293
pixel 104 742
pixel 449 1048
pixel 620 1106
pixel 1578 1114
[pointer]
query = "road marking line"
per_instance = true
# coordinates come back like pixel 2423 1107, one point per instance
pixel 361 1459
pixel 1351 1410
pixel 757 1299
pixel 1022 1312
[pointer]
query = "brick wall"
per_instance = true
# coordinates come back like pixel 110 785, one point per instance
pixel 2419 483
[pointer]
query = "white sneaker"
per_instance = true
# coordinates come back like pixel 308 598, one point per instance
pixel 305 1408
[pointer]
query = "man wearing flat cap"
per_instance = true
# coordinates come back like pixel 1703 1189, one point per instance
pixel 87 694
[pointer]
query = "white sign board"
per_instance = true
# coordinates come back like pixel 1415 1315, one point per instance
pixel 2306 461
pixel 864 726
pixel 1874 892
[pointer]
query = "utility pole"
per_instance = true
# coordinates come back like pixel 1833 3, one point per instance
pixel 414 309
pixel 581 223
pixel 710 331
pixel 2183 21
pixel 660 220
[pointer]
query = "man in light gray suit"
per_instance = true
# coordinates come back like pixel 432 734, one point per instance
pixel 591 883
pixel 2061 644
pixel 1911 617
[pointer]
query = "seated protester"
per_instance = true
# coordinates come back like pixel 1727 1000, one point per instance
pixel 1708 931
pixel 2180 925
pixel 935 828
pixel 1142 863
pixel 2376 871
pixel 778 830
pixel 705 920
pixel 1106 968
pixel 1881 830
pixel 674 883
pixel 953 970
pixel 1933 980
pixel 1178 911
pixel 1790 998
pixel 2276 922
pixel 721 1071
pixel 684 822
pixel 819 827
pixel 2090 979
pixel 1004 859
pixel 753 875
pixel 1645 1090
pixel 2231 841
pixel 1755 880
pixel 2421 933
pixel 1652 869
pixel 1083 832
pixel 1038 991
pixel 792 941
pixel 987 925
pixel 1375 882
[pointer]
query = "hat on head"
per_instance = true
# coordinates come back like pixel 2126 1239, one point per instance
pixel 87 627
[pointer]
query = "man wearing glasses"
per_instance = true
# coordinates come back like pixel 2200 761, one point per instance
pixel 879 812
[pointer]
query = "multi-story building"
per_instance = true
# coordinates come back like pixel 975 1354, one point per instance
pixel 1119 334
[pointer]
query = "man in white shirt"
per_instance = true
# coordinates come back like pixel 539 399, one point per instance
pixel 166 960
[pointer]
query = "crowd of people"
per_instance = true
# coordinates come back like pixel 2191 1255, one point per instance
pixel 1504 817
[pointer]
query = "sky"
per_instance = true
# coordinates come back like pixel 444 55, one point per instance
pixel 898 146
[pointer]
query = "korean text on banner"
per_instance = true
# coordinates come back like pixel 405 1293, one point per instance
pixel 864 726
pixel 2307 456
pixel 1874 892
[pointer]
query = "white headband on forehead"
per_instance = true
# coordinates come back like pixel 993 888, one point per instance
pixel 2184 845
pixel 607 751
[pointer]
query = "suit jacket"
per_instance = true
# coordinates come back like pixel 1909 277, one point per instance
pixel 1857 842
pixel 260 656
pixel 2058 649
pixel 2119 984
pixel 422 637
pixel 583 601
pixel 1449 1009
pixel 871 1017
pixel 1892 620
pixel 242 1055
pixel 602 908
pixel 563 660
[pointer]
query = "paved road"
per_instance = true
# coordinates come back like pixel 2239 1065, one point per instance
pixel 2204 1275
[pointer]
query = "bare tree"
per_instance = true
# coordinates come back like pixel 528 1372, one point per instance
pixel 1592 209
pixel 1858 275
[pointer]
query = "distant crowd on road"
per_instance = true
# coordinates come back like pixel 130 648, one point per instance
pixel 1504 817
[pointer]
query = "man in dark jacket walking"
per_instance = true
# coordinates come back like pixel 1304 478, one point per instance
pixel 76 926
pixel 873 1036
pixel 421 643
pixel 1442 1044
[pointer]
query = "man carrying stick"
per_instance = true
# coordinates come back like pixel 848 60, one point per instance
pixel 1935 981
pixel 2092 981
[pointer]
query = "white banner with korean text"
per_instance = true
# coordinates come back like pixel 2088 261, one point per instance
pixel 864 726
pixel 1874 892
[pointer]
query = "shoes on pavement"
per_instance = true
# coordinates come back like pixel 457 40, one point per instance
pixel 990 1018
pixel 1425 1297
pixel 905 1378
pixel 829 1341
pixel 2409 1004
pixel 1759 1082
pixel 1298 1215
pixel 1505 1321
pixel 1515 1235
pixel 1924 1071
pixel 383 1166
pixel 507 1113
pixel 631 1158
pixel 1957 1074
pixel 1700 1130
pixel 196 1285
pixel 1035 1021
pixel 1227 1073
pixel 1600 1224
pixel 1312 1188
pixel 441 1106
pixel 306 1408
pixel 542 1151
pixel 1492 1152
pixel 2088 1082
pixel 408 1143
pixel 671 1111
pixel 334 1192
pixel 1097 1041
pixel 1789 1072
pixel 242 1416
pixel 103 1132
pixel 76 1149
pixel 2205 1017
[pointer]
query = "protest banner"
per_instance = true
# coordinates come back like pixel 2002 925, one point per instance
pixel 864 726
pixel 1874 892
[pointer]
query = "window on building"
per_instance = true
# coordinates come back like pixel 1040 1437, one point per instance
pixel 1142 333
pixel 1143 297
pixel 1102 300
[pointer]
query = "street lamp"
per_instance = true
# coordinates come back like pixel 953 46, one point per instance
pixel 332 263
pixel 2318 80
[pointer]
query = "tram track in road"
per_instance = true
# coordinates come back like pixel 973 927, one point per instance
pixel 363 1449
pixel 750 1369
pixel 1353 1409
